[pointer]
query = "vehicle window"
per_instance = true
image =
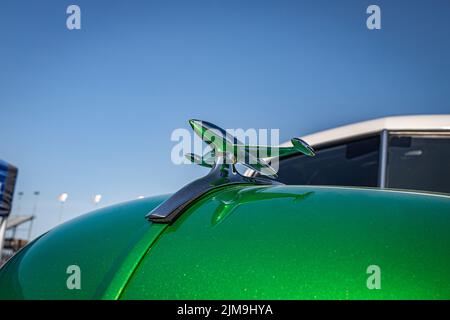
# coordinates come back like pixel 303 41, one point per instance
pixel 350 164
pixel 419 163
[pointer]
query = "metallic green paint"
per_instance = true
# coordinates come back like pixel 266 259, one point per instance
pixel 290 242
pixel 247 242
pixel 106 244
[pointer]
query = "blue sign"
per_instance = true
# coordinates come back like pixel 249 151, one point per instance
pixel 8 175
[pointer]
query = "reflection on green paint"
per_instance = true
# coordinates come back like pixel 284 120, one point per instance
pixel 290 242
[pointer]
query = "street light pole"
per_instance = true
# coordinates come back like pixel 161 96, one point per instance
pixel 19 202
pixel 2 236
pixel 36 193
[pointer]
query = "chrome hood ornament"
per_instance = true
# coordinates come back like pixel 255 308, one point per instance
pixel 226 152
pixel 234 151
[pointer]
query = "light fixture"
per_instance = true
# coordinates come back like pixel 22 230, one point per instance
pixel 97 198
pixel 63 197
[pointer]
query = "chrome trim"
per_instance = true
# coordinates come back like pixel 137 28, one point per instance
pixel 222 174
pixel 383 159
pixel 227 152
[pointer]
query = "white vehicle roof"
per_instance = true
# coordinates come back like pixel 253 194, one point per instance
pixel 395 123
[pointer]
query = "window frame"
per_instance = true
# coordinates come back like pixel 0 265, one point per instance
pixel 384 136
pixel 340 142
pixel 384 148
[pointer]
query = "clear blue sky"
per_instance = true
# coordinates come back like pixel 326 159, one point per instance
pixel 91 111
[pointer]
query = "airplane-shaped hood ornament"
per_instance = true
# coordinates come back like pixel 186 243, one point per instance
pixel 234 151
pixel 226 152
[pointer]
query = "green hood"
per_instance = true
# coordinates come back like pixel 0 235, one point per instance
pixel 106 244
pixel 248 242
pixel 292 242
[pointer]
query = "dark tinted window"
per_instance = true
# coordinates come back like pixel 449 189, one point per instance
pixel 351 164
pixel 419 163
